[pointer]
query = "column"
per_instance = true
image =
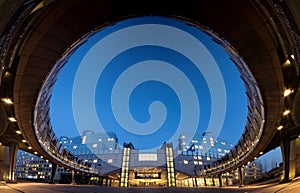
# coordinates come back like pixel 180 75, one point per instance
pixel 285 151
pixel 220 179
pixel 53 172
pixel 242 176
pixel 205 184
pixel 196 183
pixel 294 161
pixel 73 177
pixel 13 150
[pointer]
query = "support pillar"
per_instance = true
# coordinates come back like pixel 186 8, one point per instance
pixel 294 160
pixel 196 183
pixel 53 172
pixel 13 150
pixel 226 180
pixel 205 183
pixel 285 151
pixel 242 176
pixel 220 180
pixel 73 177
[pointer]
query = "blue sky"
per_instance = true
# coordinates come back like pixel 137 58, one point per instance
pixel 149 79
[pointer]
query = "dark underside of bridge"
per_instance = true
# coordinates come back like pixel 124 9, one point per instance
pixel 33 40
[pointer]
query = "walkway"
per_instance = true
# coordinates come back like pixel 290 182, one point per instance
pixel 291 187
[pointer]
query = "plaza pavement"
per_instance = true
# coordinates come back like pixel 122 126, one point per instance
pixel 290 187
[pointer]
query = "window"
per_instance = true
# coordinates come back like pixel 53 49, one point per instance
pixel 83 140
pixel 148 157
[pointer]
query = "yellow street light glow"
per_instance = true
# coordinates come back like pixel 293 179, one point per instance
pixel 7 101
pixel 287 62
pixel 18 132
pixel 24 141
pixel 292 56
pixel 35 152
pixel 0 143
pixel 12 119
pixel 286 112
pixel 287 92
pixel 29 147
pixel 261 153
pixel 279 127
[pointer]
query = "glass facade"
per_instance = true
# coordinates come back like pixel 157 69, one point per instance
pixel 126 166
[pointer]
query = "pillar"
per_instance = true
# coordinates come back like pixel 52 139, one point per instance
pixel 13 150
pixel 205 183
pixel 73 177
pixel 242 176
pixel 226 180
pixel 3 165
pixel 285 151
pixel 53 172
pixel 294 161
pixel 220 179
pixel 196 183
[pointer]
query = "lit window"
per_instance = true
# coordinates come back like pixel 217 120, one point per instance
pixel 186 162
pixel 83 140
pixel 99 139
pixel 208 158
pixel 200 163
pixel 95 161
pixel 95 145
pixel 109 160
pixel 75 147
pixel 147 157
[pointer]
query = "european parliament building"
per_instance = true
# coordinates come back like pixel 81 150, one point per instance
pixel 170 165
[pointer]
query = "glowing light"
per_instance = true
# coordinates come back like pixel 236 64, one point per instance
pixel 287 62
pixel 18 132
pixel 286 112
pixel 261 153
pixel 29 147
pixel 7 101
pixel 279 127
pixel 12 119
pixel 24 141
pixel 287 92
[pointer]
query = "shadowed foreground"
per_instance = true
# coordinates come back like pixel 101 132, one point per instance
pixel 291 187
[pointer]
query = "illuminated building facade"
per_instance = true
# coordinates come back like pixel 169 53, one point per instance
pixel 126 166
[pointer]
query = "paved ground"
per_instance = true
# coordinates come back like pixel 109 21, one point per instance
pixel 291 187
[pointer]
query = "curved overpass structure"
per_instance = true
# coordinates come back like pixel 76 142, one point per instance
pixel 262 38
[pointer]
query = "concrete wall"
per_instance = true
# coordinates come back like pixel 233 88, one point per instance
pixel 295 158
pixel 4 162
